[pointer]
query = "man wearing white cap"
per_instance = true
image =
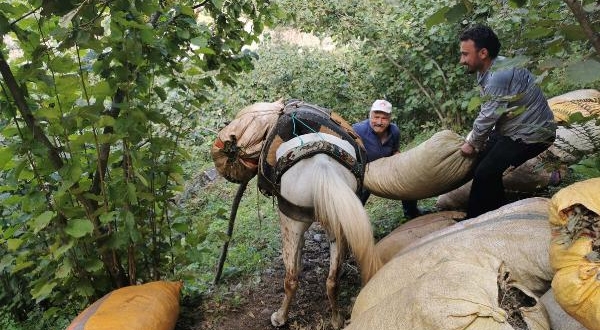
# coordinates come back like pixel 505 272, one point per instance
pixel 381 138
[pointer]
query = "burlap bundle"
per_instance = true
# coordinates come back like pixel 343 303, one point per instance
pixel 413 230
pixel 434 167
pixel 236 149
pixel 454 294
pixel 519 237
pixel 533 205
pixel 576 140
pixel 153 305
pixel 575 250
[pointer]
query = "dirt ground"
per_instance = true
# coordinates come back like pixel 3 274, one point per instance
pixel 309 310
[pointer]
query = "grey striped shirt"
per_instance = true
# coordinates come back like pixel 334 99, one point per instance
pixel 513 106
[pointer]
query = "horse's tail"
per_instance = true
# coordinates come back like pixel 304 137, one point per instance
pixel 340 212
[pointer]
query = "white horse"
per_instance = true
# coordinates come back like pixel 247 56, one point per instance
pixel 323 184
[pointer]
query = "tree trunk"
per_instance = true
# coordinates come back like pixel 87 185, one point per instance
pixel 585 23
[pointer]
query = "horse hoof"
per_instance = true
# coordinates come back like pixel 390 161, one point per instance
pixel 277 320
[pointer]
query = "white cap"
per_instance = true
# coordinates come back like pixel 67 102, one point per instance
pixel 382 105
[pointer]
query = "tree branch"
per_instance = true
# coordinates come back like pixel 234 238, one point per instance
pixel 21 103
pixel 421 87
pixel 105 148
pixel 26 15
pixel 38 133
pixel 585 23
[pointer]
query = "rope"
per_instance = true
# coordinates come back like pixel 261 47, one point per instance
pixel 294 119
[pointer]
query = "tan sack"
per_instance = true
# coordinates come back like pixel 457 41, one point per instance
pixel 532 205
pixel 456 295
pixel 153 305
pixel 434 167
pixel 236 149
pixel 529 178
pixel 559 319
pixel 575 250
pixel 413 230
pixel 520 239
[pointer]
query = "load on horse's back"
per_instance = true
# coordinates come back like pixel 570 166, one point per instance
pixel 237 147
pixel 313 163
pixel 302 131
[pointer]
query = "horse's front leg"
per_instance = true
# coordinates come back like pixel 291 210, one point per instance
pixel 337 252
pixel 292 236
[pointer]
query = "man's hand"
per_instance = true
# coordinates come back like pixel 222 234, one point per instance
pixel 467 150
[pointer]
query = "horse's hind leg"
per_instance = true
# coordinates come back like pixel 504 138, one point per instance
pixel 292 236
pixel 337 251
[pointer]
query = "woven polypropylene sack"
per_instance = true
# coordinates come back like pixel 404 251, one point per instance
pixel 153 305
pixel 413 230
pixel 236 149
pixel 537 206
pixel 434 167
pixel 453 294
pixel 520 238
pixel 574 253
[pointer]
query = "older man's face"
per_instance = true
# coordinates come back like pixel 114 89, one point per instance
pixel 380 121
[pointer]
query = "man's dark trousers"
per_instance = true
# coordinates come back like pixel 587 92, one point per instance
pixel 487 190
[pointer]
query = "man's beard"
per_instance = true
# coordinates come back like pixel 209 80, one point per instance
pixel 469 69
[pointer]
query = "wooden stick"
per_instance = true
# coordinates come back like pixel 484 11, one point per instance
pixel 234 208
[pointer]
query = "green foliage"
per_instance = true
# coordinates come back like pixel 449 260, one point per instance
pixel 337 79
pixel 255 238
pixel 53 318
pixel 97 101
pixel 588 167
pixel 585 72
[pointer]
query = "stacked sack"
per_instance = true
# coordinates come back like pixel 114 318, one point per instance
pixel 559 319
pixel 434 167
pixel 414 230
pixel 458 277
pixel 583 101
pixel 575 251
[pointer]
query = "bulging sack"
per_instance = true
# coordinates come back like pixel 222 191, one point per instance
pixel 559 319
pixel 413 230
pixel 236 149
pixel 153 305
pixel 434 167
pixel 517 234
pixel 575 250
pixel 459 295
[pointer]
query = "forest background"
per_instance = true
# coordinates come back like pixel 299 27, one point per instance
pixel 109 109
